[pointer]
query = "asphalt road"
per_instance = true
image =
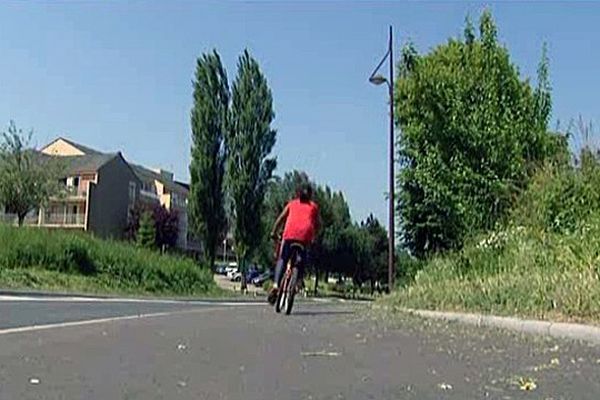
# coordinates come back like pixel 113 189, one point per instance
pixel 323 351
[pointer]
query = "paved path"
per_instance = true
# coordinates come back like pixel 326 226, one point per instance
pixel 228 351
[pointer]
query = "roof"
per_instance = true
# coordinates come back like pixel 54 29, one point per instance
pixel 87 163
pixel 79 164
pixel 80 147
pixel 94 160
pixel 147 174
pixel 185 185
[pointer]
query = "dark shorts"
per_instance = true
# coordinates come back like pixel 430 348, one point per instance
pixel 286 253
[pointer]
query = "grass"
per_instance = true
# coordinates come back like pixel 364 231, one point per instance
pixel 544 263
pixel 526 273
pixel 32 258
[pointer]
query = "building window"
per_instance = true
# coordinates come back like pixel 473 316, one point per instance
pixel 73 182
pixel 132 188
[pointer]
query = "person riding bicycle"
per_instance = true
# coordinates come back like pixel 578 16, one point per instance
pixel 301 217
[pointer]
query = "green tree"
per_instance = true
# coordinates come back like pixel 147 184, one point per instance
pixel 472 131
pixel 166 224
pixel 374 267
pixel 209 118
pixel 249 142
pixel 27 178
pixel 333 237
pixel 146 235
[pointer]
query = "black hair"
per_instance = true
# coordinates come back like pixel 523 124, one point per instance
pixel 304 192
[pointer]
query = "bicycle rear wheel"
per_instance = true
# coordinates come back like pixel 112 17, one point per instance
pixel 291 291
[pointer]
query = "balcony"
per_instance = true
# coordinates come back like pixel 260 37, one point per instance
pixel 68 220
pixel 76 193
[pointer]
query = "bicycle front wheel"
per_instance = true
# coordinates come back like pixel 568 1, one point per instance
pixel 282 295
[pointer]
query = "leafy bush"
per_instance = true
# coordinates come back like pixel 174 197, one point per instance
pixel 561 197
pixel 473 130
pixel 544 263
pixel 112 265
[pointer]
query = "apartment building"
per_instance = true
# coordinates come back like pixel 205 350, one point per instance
pixel 102 188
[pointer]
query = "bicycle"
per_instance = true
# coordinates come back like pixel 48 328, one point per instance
pixel 289 282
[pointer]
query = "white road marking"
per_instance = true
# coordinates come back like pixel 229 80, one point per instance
pixel 125 300
pixel 33 328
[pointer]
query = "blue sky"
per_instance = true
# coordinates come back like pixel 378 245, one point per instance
pixel 117 75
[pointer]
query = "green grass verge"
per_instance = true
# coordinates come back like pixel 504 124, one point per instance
pixel 518 271
pixel 38 259
pixel 544 263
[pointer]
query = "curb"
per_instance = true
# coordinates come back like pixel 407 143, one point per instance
pixel 562 330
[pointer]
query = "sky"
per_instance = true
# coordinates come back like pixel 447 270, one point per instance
pixel 117 76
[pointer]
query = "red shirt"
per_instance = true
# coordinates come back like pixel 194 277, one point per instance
pixel 301 224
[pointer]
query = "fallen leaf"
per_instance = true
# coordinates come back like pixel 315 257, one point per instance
pixel 527 384
pixel 34 381
pixel 182 384
pixel 555 361
pixel 181 347
pixel 445 386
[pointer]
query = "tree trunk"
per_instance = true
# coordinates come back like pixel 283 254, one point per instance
pixel 21 218
pixel 243 283
pixel 316 292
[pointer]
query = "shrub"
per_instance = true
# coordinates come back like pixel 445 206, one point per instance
pixel 472 131
pixel 111 264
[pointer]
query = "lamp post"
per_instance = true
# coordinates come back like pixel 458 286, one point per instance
pixel 378 79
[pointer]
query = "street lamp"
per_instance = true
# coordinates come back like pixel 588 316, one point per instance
pixel 378 79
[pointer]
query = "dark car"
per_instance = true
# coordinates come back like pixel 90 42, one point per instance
pixel 251 275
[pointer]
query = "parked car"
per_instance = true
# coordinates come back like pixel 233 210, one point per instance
pixel 231 267
pixel 221 269
pixel 253 273
pixel 262 278
pixel 235 276
pixel 231 272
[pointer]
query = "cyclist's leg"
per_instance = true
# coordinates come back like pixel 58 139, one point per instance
pixel 283 259
pixel 301 265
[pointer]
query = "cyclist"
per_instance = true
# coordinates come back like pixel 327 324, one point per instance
pixel 301 217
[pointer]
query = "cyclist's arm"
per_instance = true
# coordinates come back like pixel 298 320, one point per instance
pixel 280 220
